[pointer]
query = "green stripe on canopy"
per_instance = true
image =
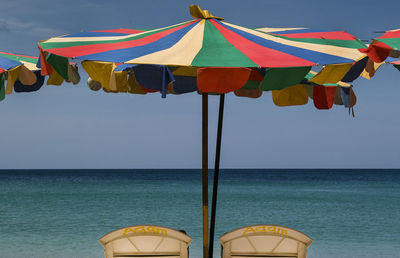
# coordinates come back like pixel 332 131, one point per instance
pixel 332 42
pixel 19 58
pixel 217 51
pixel 392 42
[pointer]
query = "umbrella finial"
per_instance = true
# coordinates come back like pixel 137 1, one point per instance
pixel 196 12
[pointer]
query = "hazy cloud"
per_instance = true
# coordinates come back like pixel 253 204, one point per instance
pixel 4 26
pixel 33 28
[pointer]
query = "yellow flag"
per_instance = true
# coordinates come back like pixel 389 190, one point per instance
pixel 290 96
pixel 101 72
pixel 55 79
pixel 331 74
pixel 12 77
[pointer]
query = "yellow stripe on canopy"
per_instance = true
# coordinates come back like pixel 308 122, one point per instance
pixel 83 39
pixel 182 53
pixel 349 53
pixel 270 30
pixel 30 66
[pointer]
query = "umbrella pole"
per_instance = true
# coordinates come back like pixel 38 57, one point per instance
pixel 205 173
pixel 216 174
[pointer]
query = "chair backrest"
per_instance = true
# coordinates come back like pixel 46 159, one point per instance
pixel 264 241
pixel 145 241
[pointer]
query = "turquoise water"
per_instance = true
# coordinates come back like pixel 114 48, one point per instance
pixel 56 213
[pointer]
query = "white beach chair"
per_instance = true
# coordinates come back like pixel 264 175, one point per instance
pixel 146 241
pixel 264 241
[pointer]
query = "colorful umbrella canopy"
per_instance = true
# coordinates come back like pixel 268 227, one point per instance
pixel 208 43
pixel 384 46
pixel 392 39
pixel 212 56
pixel 9 61
pixel 21 74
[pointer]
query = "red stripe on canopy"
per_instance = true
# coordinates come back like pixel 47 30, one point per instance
pixel 390 34
pixel 2 70
pixel 77 51
pixel 335 35
pixel 264 57
pixel 126 31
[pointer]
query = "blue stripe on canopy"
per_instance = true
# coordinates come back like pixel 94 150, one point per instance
pixel 313 56
pixel 8 64
pixel 123 55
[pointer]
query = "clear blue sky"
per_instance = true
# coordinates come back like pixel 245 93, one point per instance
pixel 72 127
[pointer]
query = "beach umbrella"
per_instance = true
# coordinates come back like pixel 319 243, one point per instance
pixel 211 56
pixel 21 74
pixel 385 48
pixel 387 45
pixel 392 39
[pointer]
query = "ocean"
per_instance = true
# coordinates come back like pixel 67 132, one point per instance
pixel 63 213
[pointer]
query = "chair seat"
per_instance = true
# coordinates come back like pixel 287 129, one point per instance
pixel 263 256
pixel 145 256
pixel 143 241
pixel 264 241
